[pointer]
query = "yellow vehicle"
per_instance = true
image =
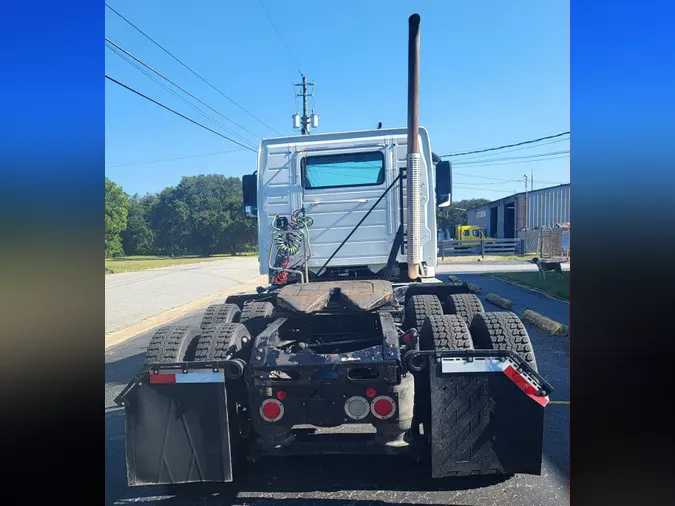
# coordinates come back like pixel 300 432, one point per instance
pixel 470 233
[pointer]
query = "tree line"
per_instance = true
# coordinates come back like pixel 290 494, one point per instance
pixel 202 215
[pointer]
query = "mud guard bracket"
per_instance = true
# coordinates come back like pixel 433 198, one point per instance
pixel 176 433
pixel 483 423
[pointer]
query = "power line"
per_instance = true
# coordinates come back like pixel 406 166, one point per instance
pixel 506 145
pixel 482 165
pixel 179 87
pixel 483 183
pixel 173 159
pixel 177 113
pixel 192 71
pixel 280 37
pixel 484 189
pixel 527 157
pixel 486 177
pixel 554 141
pixel 190 104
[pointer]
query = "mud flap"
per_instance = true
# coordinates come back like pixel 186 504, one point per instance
pixel 483 423
pixel 177 433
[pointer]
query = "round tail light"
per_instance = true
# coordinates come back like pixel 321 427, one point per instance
pixel 271 410
pixel 383 407
pixel 357 408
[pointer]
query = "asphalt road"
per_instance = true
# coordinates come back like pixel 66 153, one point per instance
pixel 131 297
pixel 342 481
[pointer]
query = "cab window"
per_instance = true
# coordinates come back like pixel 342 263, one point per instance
pixel 476 233
pixel 466 233
pixel 343 170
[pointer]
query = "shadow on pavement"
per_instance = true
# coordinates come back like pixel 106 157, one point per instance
pixel 298 476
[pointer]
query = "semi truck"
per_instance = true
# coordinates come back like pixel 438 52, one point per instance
pixel 353 345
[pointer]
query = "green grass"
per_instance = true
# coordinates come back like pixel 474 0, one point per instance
pixel 552 284
pixel 141 263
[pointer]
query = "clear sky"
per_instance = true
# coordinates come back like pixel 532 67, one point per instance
pixel 492 73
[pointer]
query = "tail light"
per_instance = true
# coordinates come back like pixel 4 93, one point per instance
pixel 271 410
pixel 383 407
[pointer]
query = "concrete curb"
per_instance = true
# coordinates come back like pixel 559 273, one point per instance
pixel 499 301
pixel 526 287
pixel 552 327
pixel 118 336
pixel 474 288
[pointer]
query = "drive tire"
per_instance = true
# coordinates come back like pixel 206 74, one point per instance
pixel 171 345
pixel 216 341
pixel 503 331
pixel 419 307
pixel 220 313
pixel 465 305
pixel 254 316
pixel 445 332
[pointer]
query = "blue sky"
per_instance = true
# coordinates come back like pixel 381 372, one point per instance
pixel 492 73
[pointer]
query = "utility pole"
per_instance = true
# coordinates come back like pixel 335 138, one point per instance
pixel 525 177
pixel 306 121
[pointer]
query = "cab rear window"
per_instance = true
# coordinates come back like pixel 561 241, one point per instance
pixel 344 170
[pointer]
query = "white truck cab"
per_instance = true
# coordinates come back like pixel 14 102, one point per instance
pixel 338 179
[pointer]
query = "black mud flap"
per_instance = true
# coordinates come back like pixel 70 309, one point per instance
pixel 483 423
pixel 177 433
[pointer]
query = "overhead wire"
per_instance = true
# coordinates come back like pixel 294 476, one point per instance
pixel 531 146
pixel 506 145
pixel 174 159
pixel 507 158
pixel 176 112
pixel 190 69
pixel 190 104
pixel 180 88
pixel 280 37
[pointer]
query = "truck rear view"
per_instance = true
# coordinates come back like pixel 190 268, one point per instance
pixel 352 331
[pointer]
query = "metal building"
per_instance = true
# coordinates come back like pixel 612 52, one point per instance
pixel 542 208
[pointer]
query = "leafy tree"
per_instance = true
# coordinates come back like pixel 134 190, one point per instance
pixel 242 233
pixel 139 238
pixel 116 209
pixel 168 219
pixel 449 217
pixel 201 215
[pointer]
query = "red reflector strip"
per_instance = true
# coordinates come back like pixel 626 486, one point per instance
pixel 162 378
pixel 525 385
pixel 194 377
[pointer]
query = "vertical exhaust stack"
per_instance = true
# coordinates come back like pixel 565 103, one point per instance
pixel 414 156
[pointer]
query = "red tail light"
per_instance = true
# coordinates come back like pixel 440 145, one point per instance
pixel 271 410
pixel 383 407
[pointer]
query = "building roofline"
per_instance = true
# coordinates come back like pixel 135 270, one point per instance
pixel 517 194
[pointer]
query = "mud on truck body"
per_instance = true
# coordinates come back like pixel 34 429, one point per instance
pixel 352 331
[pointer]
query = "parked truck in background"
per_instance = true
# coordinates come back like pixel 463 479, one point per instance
pixel 352 329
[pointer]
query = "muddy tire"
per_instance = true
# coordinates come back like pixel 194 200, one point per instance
pixel 220 313
pixel 503 331
pixel 465 305
pixel 171 344
pixel 419 307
